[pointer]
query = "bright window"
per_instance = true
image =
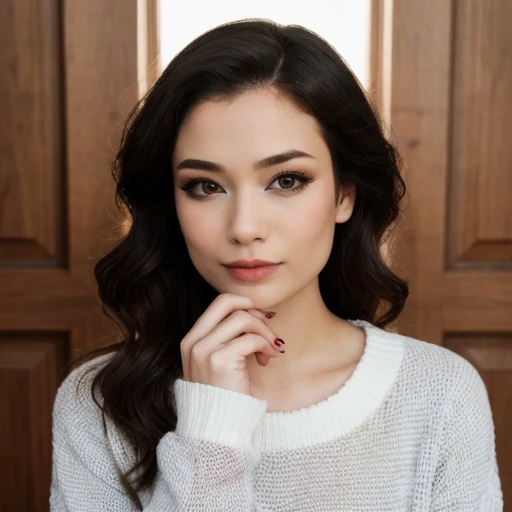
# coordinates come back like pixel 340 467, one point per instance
pixel 345 24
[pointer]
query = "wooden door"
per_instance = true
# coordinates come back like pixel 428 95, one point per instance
pixel 443 80
pixel 68 73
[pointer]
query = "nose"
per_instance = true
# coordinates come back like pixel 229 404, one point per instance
pixel 247 218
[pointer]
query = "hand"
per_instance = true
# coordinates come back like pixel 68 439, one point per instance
pixel 214 351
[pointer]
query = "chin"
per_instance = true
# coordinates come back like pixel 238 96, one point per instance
pixel 264 295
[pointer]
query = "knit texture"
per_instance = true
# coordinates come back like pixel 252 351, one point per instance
pixel 410 430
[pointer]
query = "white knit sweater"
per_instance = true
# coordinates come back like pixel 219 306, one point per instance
pixel 410 430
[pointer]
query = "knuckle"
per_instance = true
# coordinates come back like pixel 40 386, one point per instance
pixel 240 314
pixel 222 297
pixel 183 348
pixel 225 298
pixel 196 351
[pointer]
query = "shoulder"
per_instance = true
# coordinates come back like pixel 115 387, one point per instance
pixel 74 400
pixel 429 368
pixel 78 419
pixel 445 372
pixel 83 438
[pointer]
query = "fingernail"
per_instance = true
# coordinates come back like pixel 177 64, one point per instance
pixel 270 314
pixel 278 342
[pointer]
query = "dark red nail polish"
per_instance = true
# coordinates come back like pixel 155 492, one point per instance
pixel 276 342
pixel 280 340
pixel 270 314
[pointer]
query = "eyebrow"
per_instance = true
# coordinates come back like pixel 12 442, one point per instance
pixel 204 165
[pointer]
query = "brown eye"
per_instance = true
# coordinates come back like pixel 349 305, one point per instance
pixel 208 186
pixel 286 181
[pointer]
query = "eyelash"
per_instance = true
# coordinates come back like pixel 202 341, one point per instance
pixel 188 184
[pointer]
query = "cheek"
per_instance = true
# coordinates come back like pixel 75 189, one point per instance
pixel 314 225
pixel 314 219
pixel 198 227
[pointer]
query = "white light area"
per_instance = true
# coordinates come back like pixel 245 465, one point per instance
pixel 344 24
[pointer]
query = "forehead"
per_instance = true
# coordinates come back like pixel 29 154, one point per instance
pixel 246 128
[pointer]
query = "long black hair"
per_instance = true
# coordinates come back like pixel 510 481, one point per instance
pixel 148 285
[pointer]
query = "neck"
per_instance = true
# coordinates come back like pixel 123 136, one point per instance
pixel 316 340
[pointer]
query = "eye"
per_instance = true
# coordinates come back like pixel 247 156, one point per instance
pixel 284 179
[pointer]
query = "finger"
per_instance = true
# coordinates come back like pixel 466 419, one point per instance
pixel 237 324
pixel 260 313
pixel 249 344
pixel 257 313
pixel 220 308
pixel 262 359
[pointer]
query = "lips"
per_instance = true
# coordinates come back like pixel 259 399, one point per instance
pixel 251 274
pixel 250 263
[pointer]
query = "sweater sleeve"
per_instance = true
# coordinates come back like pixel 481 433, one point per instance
pixel 205 464
pixel 466 477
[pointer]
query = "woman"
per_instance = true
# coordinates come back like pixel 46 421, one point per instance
pixel 260 189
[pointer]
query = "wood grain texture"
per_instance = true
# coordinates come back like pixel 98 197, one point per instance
pixel 30 368
pixel 480 215
pixel 69 77
pixel 32 186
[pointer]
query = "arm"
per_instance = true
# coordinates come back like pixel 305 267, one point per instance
pixel 467 476
pixel 206 464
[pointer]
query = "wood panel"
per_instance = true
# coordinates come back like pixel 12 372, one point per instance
pixel 32 187
pixel 30 368
pixel 68 73
pixel 479 230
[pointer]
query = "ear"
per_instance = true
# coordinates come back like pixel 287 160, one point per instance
pixel 346 202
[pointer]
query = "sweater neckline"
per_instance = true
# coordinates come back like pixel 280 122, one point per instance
pixel 337 415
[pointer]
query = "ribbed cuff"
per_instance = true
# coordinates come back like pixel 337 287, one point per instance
pixel 216 414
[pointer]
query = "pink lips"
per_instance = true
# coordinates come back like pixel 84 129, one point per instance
pixel 252 274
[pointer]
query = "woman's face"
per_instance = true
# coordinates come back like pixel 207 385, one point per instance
pixel 242 211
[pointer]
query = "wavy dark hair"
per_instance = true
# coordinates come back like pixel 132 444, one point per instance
pixel 148 285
